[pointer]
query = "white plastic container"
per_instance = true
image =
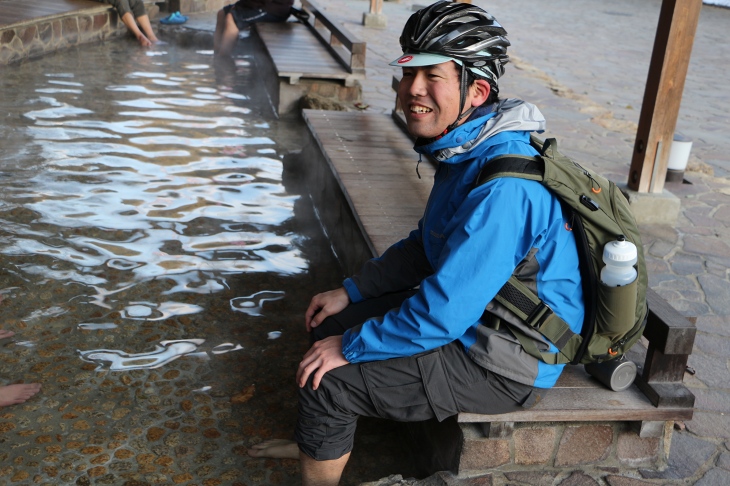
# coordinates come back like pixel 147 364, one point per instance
pixel 620 257
pixel 679 153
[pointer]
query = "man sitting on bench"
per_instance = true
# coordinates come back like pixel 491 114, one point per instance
pixel 240 15
pixel 408 338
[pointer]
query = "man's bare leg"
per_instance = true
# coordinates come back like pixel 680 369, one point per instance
pixel 6 334
pixel 322 473
pixel 15 394
pixel 131 24
pixel 314 473
pixel 276 449
pixel 144 24
pixel 228 37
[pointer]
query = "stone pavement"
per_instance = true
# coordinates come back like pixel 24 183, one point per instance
pixel 584 63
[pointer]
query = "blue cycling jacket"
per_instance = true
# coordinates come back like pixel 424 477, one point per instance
pixel 467 245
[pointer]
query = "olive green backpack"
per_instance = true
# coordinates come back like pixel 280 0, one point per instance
pixel 598 213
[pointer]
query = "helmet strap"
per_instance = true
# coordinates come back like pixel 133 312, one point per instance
pixel 463 87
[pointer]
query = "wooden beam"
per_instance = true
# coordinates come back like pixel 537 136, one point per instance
pixel 376 6
pixel 667 72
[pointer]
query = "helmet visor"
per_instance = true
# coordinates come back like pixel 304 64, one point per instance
pixel 421 59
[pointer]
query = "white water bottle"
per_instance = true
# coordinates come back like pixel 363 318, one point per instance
pixel 620 257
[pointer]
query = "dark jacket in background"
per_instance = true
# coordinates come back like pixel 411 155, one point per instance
pixel 275 7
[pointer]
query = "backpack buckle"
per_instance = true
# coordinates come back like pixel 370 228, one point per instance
pixel 539 315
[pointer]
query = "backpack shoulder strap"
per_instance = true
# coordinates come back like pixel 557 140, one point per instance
pixel 520 166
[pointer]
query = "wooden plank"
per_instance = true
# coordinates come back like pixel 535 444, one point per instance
pixel 343 45
pixel 664 368
pixel 669 395
pixel 296 53
pixel 587 404
pixel 666 329
pixel 678 21
pixel 376 6
pixel 377 173
pixel 345 37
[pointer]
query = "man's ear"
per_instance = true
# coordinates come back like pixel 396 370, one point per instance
pixel 480 90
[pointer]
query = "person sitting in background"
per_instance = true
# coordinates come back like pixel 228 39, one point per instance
pixel 238 16
pixel 19 393
pixel 132 13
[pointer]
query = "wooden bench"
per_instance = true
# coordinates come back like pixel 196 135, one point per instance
pixel 362 169
pixel 319 57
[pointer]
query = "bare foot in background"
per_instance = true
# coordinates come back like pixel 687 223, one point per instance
pixel 15 394
pixel 276 449
pixel 143 41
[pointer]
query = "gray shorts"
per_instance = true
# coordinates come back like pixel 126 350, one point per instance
pixel 435 384
pixel 135 7
pixel 244 17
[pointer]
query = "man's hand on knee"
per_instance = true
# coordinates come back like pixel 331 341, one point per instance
pixel 323 356
pixel 324 305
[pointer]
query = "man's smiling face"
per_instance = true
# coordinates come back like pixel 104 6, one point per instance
pixel 429 97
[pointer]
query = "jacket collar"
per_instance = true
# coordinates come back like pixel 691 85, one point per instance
pixel 507 115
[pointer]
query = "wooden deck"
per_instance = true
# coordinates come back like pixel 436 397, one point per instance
pixel 296 53
pixel 375 165
pixel 17 12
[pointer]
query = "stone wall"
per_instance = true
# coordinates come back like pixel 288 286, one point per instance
pixel 613 446
pixel 39 37
pixel 536 453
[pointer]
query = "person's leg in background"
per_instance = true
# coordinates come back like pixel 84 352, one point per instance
pixel 19 393
pixel 234 18
pixel 226 32
pixel 127 12
pixel 143 20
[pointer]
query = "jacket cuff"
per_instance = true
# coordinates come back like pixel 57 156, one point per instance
pixel 352 291
pixel 348 346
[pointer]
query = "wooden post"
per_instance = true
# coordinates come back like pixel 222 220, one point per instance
pixel 376 6
pixel 667 72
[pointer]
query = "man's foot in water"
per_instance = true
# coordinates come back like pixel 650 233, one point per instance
pixel 6 334
pixel 275 449
pixel 15 394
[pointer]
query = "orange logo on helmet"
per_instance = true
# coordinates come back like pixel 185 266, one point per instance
pixel 404 59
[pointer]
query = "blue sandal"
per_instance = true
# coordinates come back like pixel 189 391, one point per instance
pixel 174 18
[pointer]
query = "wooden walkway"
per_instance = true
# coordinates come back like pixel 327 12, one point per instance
pixel 375 165
pixel 296 53
pixel 15 12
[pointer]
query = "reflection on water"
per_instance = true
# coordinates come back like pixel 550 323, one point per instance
pixel 144 176
pixel 163 353
pixel 145 234
pixel 253 304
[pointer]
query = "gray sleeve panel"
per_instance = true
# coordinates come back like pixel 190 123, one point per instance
pixel 401 267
